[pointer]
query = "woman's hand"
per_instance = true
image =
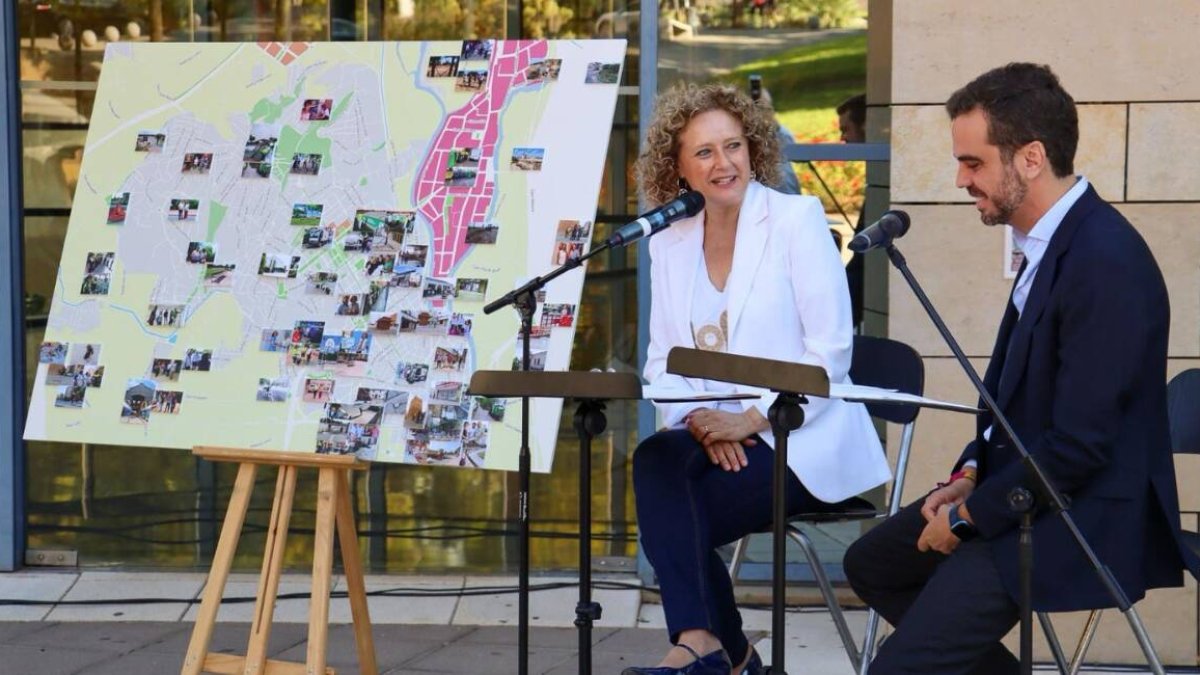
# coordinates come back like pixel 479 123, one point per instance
pixel 724 434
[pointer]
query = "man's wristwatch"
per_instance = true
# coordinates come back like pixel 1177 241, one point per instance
pixel 961 527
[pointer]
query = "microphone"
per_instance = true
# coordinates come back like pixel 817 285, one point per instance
pixel 891 226
pixel 686 205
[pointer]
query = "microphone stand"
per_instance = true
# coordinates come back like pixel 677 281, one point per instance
pixel 524 300
pixel 1023 501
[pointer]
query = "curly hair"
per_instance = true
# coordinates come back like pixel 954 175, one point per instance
pixel 656 172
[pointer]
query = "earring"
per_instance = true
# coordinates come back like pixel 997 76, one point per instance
pixel 683 187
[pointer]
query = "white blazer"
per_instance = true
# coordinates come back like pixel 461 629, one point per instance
pixel 787 300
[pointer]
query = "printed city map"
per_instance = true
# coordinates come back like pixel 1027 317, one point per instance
pixel 289 245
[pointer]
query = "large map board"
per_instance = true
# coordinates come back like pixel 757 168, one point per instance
pixel 289 245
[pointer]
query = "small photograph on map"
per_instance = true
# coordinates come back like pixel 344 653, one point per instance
pixel 393 402
pixel 380 264
pixel 409 320
pixel 407 276
pixel 219 276
pixel 442 66
pixel 565 251
pixel 149 141
pixel 447 391
pixel 472 80
pixel 482 233
pixel 438 289
pixel 199 252
pixel 273 390
pixel 258 157
pixel 349 428
pixel 183 210
pixel 414 415
pixel 70 396
pixel 416 446
pixel 384 322
pixel 376 297
pixel 95 284
pixel 376 231
pixel 352 355
pixel 303 356
pixel 197 162
pixel 528 159
pixel 316 109
pixel 414 254
pixel 317 237
pixel 275 339
pixel 433 321
pixel 166 369
pixel 306 164
pixel 165 315
pixel 283 265
pixel 99 263
pixel 139 397
pixel 539 349
pixel 602 73
pixel 487 409
pixel 94 375
pixel 476 50
pixel 449 358
pixel 445 422
pixel 350 304
pixel 471 290
pixel 84 353
pixel 461 176
pixel 573 231
pixel 559 315
pixel 307 215
pixel 460 325
pixel 546 69
pixel 468 157
pixel 411 372
pixel 320 283
pixel 118 208
pixel 199 360
pixel 475 442
pixel 167 402
pixel 59 375
pixel 308 333
pixel 318 390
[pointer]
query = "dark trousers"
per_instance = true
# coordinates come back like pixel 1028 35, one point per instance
pixel 687 507
pixel 949 612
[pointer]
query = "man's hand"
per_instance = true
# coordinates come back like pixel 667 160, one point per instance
pixel 937 535
pixel 954 493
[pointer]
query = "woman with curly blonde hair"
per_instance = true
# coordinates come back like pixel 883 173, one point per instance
pixel 754 274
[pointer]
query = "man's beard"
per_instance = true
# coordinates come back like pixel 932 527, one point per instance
pixel 1007 199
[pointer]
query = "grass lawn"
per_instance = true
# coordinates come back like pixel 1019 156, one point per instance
pixel 808 82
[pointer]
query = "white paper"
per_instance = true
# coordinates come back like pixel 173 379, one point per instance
pixel 658 392
pixel 861 392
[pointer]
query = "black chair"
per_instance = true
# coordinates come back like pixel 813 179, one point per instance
pixel 887 364
pixel 1183 414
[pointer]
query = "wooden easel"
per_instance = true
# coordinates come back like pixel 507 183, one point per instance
pixel 333 505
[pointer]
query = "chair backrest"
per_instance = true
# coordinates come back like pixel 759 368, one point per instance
pixel 1183 411
pixel 888 364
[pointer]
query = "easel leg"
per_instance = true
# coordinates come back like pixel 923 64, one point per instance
pixel 352 566
pixel 318 612
pixel 268 582
pixel 214 587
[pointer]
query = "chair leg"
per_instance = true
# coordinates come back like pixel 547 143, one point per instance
pixel 868 648
pixel 835 610
pixel 1085 641
pixel 739 555
pixel 1056 650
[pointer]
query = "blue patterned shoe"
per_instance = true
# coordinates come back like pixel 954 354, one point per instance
pixel 712 663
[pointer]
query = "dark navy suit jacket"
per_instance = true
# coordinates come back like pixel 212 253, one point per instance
pixel 1081 376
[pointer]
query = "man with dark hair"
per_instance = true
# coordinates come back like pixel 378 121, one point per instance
pixel 1078 368
pixel 852 119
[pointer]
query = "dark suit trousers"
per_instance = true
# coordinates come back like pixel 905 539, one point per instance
pixel 686 508
pixel 949 612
